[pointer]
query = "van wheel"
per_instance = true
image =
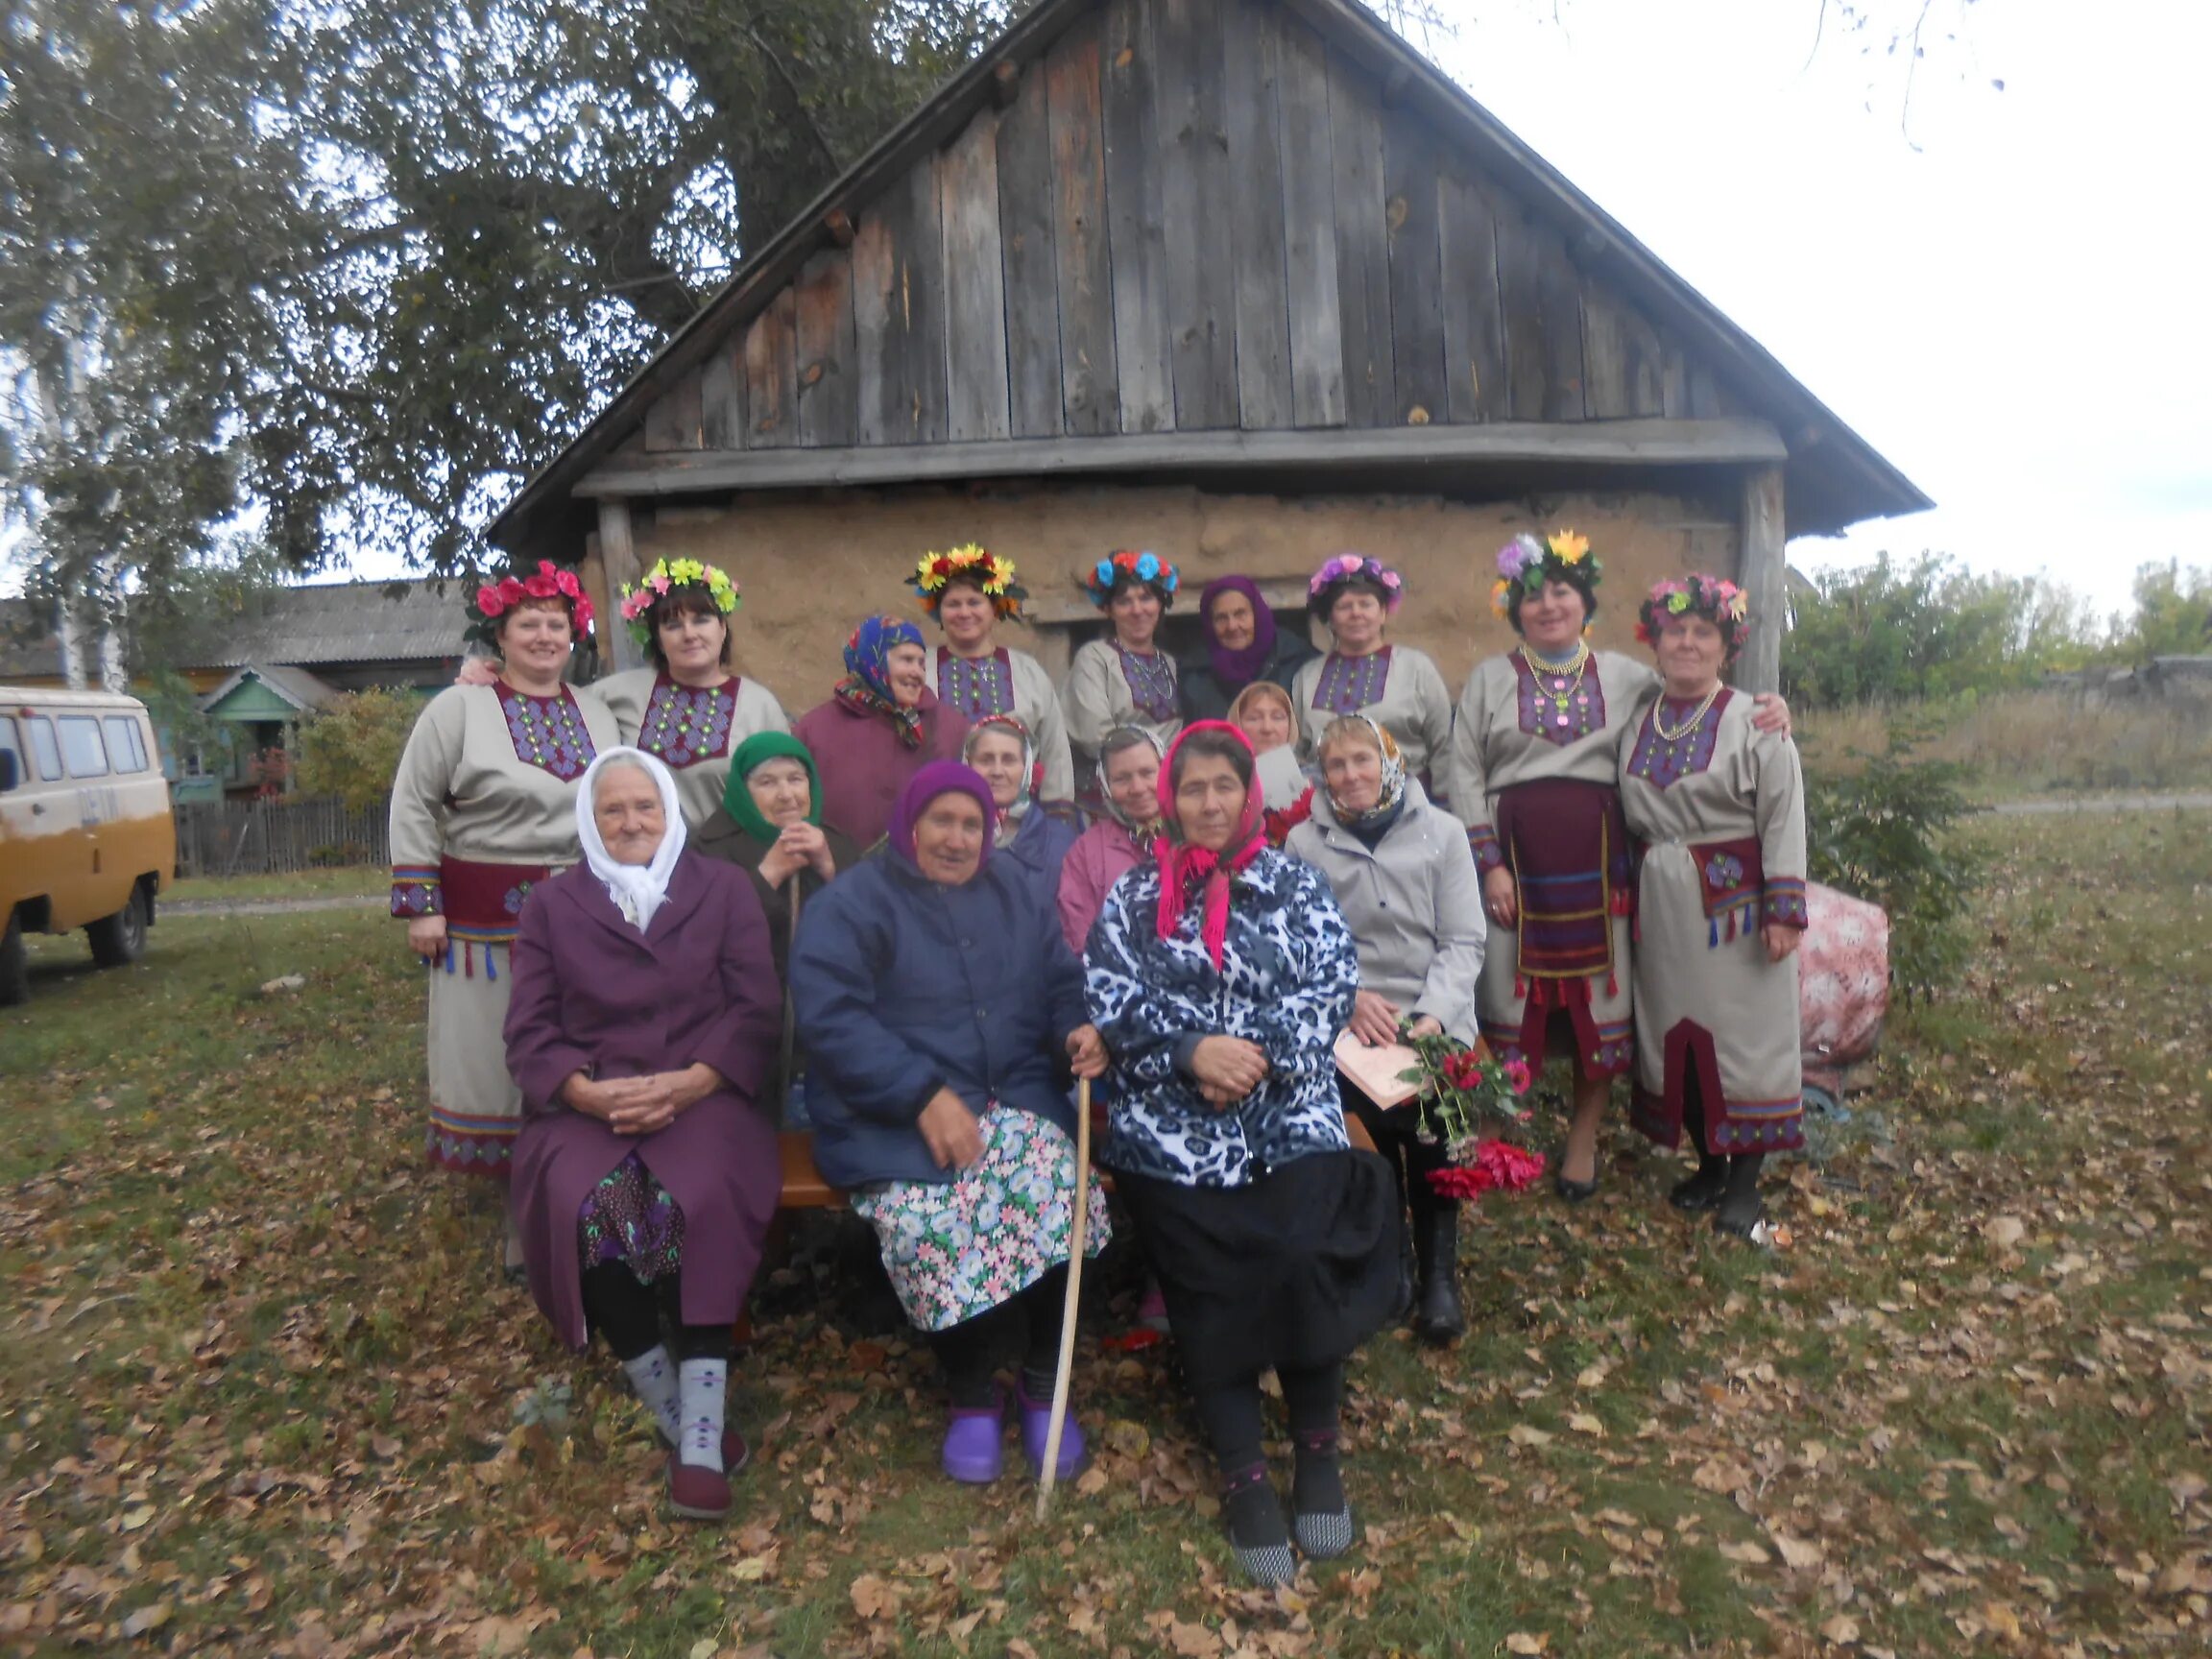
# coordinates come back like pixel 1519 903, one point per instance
pixel 120 939
pixel 15 965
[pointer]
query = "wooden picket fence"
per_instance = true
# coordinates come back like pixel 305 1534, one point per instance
pixel 278 837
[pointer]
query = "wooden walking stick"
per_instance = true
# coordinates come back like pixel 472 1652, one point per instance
pixel 1060 1378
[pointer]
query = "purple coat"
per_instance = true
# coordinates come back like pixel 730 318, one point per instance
pixel 862 765
pixel 593 994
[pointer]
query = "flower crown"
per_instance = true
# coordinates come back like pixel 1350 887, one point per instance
pixel 934 573
pixel 496 599
pixel 1720 601
pixel 1528 563
pixel 1356 568
pixel 1124 565
pixel 663 579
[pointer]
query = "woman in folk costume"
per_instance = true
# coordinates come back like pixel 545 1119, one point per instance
pixel 687 711
pixel 942 1013
pixel 1719 807
pixel 1242 649
pixel 1535 757
pixel 1124 678
pixel 971 591
pixel 643 1021
pixel 1402 876
pixel 483 807
pixel 1220 974
pixel 1120 839
pixel 1364 674
pixel 1031 838
pixel 881 726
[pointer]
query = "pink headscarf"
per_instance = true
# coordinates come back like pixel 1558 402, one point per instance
pixel 1184 867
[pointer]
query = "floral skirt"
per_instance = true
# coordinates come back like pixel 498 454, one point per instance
pixel 631 1217
pixel 957 1249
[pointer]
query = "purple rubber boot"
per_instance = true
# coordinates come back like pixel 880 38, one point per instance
pixel 1037 1425
pixel 975 1443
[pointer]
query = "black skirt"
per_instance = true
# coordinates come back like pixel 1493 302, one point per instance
pixel 1292 1271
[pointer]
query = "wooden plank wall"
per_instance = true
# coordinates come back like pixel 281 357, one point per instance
pixel 1192 215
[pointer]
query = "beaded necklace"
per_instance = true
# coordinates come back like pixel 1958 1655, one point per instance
pixel 1659 726
pixel 1557 682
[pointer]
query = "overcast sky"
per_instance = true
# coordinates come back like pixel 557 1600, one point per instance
pixel 2014 313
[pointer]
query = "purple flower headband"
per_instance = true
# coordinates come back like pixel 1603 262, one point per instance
pixel 1356 568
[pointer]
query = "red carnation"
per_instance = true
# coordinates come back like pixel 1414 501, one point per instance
pixel 1455 1183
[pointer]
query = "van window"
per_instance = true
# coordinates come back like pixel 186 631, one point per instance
pixel 81 748
pixel 14 745
pixel 124 744
pixel 41 734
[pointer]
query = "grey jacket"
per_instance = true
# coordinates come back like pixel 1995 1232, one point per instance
pixel 1414 904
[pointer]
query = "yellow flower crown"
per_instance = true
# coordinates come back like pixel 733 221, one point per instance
pixel 934 573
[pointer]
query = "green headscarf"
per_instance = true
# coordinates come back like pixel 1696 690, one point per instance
pixel 737 800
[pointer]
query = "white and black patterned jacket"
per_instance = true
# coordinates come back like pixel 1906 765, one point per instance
pixel 1287 981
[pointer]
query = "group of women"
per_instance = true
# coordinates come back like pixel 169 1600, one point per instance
pixel 896 912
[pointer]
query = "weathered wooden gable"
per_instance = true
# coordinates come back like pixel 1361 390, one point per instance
pixel 1186 215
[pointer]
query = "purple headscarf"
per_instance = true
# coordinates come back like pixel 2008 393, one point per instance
pixel 1233 669
pixel 939 777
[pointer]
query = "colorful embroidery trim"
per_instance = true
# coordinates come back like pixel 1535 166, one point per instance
pixel 548 732
pixel 977 687
pixel 1561 709
pixel 685 725
pixel 1662 763
pixel 1151 681
pixel 1347 684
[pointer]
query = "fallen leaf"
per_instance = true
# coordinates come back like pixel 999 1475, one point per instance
pixel 1522 1642
pixel 134 1518
pixel 1193 1641
pixel 1799 1552
pixel 1841 1630
pixel 151 1617
pixel 1092 1482
pixel 1583 1422
pixel 1521 1434
pixel 1747 1554
pixel 2004 1231
pixel 875 1597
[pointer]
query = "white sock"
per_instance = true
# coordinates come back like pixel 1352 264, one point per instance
pixel 653 1378
pixel 702 1385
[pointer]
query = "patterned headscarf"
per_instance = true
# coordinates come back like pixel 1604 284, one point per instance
pixel 637 890
pixel 938 778
pixel 737 800
pixel 1185 869
pixel 1107 749
pixel 866 683
pixel 1393 794
pixel 1007 818
pixel 1238 667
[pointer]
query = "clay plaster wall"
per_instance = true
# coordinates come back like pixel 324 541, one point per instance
pixel 810 566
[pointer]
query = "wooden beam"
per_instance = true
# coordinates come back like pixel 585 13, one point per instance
pixel 1763 578
pixel 1655 443
pixel 618 553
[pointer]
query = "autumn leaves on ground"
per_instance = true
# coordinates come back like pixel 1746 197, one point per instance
pixel 265 1395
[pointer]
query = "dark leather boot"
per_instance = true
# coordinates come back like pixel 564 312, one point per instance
pixel 1438 1317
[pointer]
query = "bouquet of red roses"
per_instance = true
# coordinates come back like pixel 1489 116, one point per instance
pixel 1460 1086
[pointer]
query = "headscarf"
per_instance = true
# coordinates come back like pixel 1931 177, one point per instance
pixel 1105 795
pixel 1238 667
pixel 937 778
pixel 737 800
pixel 1007 818
pixel 1265 688
pixel 1185 868
pixel 866 683
pixel 637 890
pixel 1391 800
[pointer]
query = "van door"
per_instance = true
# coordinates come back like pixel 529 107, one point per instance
pixel 39 823
pixel 101 888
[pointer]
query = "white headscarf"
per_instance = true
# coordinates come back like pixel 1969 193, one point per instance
pixel 637 890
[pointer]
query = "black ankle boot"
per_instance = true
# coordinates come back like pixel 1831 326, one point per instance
pixel 1438 1317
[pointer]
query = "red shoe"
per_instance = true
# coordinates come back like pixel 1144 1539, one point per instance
pixel 697 1492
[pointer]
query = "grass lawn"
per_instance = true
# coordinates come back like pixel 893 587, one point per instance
pixel 266 1395
pixel 350 881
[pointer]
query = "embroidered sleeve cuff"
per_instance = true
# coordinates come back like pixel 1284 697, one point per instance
pixel 1488 855
pixel 415 891
pixel 1785 903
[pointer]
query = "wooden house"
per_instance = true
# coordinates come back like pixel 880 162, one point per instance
pixel 1248 283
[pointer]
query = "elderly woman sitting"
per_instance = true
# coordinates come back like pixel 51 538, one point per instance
pixel 642 1018
pixel 1220 975
pixel 1405 875
pixel 1129 780
pixel 941 1010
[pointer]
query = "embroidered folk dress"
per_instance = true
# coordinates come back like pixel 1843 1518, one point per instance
pixel 1108 687
pixel 693 731
pixel 483 807
pixel 1397 686
pixel 1012 682
pixel 1721 813
pixel 1535 763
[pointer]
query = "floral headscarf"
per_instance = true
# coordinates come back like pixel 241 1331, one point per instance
pixel 1008 818
pixel 1187 870
pixel 867 683
pixel 1720 601
pixel 1394 793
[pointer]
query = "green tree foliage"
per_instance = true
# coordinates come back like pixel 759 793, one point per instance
pixel 1887 834
pixel 1886 631
pixel 365 268
pixel 350 749
pixel 2172 615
